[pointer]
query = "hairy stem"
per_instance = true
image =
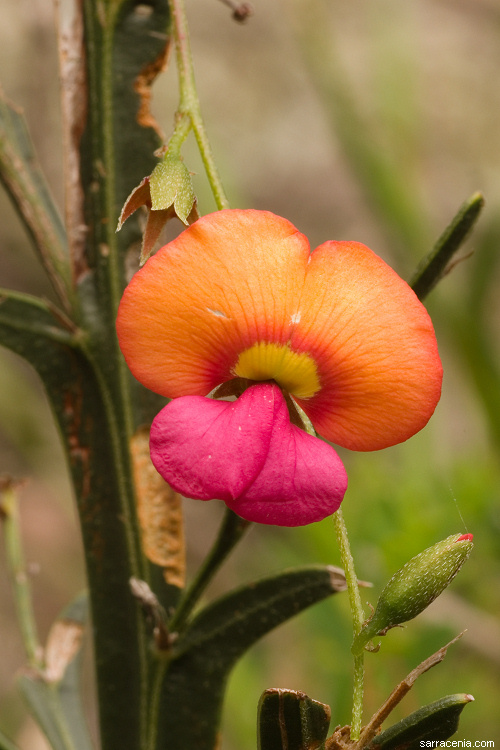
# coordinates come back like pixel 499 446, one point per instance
pixel 357 620
pixel 189 102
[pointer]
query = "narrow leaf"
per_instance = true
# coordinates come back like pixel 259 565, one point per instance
pixel 54 694
pixel 290 720
pixel 437 721
pixel 194 682
pixel 234 622
pixel 69 687
pixel 371 729
pixel 43 704
pixel 25 183
pixel 435 265
pixel 24 319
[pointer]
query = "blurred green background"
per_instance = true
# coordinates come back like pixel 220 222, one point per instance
pixel 368 121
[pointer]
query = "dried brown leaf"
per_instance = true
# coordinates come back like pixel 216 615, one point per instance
pixel 63 644
pixel 159 510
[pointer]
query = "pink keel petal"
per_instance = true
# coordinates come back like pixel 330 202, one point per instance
pixel 249 455
pixel 211 449
pixel 302 481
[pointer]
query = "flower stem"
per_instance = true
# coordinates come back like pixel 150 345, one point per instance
pixel 358 617
pixel 183 127
pixel 232 529
pixel 17 569
pixel 189 103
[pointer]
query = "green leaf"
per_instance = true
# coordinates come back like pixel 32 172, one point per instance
pixel 437 721
pixel 290 720
pixel 43 704
pixel 27 321
pixel 54 695
pixel 69 687
pixel 191 697
pixel 435 265
pixel 233 623
pixel 25 183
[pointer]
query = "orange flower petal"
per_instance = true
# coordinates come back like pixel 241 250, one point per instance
pixel 230 280
pixel 374 347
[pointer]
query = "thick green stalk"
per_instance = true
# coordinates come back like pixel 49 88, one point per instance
pixel 121 657
pixel 122 47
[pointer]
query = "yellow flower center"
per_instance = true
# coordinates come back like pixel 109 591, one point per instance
pixel 294 371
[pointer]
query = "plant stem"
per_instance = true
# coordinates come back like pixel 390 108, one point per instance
pixel 232 529
pixel 189 103
pixel 183 127
pixel 17 569
pixel 358 617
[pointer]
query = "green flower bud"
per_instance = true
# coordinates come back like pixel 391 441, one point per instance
pixel 415 586
pixel 170 184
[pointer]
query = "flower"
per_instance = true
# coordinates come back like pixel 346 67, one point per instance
pixel 239 298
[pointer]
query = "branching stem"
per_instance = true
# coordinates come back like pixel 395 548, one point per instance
pixel 189 104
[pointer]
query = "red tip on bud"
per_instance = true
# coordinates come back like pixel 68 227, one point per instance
pixel 414 586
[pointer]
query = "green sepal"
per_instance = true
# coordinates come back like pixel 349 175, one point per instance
pixel 290 720
pixel 437 721
pixel 54 695
pixel 170 184
pixel 194 681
